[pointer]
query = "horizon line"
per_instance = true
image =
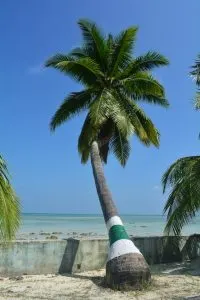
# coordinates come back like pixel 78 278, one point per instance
pixel 99 214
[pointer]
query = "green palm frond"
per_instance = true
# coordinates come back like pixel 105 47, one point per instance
pixel 3 169
pixel 145 62
pixel 72 105
pixel 144 86
pixel 152 133
pixel 120 146
pixel 84 69
pixel 121 120
pixel 87 135
pixel 99 109
pixel 197 100
pixel 195 73
pixel 183 201
pixel 104 137
pixel 122 52
pixel 79 53
pixel 9 205
pixel 142 126
pixel 148 61
pixel 119 115
pixel 94 41
pixel 175 170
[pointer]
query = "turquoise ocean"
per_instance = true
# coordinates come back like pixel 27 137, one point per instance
pixel 136 225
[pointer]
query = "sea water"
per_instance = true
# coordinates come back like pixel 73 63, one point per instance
pixel 136 225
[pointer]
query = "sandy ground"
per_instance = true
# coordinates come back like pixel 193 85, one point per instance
pixel 175 281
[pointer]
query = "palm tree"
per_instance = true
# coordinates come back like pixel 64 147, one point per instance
pixel 9 205
pixel 114 83
pixel 182 178
pixel 195 73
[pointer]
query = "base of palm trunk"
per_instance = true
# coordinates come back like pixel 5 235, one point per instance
pixel 127 272
pixel 126 268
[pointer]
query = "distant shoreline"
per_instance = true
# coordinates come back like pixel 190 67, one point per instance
pixel 87 214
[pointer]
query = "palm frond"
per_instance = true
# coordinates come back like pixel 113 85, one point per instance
pixel 195 73
pixel 72 105
pixel 9 205
pixel 175 171
pixel 120 146
pixel 152 132
pixel 94 41
pixel 197 100
pixel 122 52
pixel 109 106
pixel 78 53
pixel 183 201
pixel 142 125
pixel 99 109
pixel 84 69
pixel 121 119
pixel 104 137
pixel 88 134
pixel 145 62
pixel 143 86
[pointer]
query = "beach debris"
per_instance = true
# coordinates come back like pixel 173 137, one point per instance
pixel 57 232
pixel 16 278
pixel 52 237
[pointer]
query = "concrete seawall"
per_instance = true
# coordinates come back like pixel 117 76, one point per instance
pixel 74 255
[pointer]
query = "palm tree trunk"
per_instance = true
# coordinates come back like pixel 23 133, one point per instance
pixel 126 267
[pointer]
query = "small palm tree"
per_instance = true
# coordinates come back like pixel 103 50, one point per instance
pixel 9 205
pixel 182 178
pixel 114 84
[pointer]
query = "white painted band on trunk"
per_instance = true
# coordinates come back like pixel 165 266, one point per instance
pixel 113 221
pixel 121 247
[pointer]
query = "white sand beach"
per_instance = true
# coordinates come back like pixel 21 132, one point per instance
pixel 172 281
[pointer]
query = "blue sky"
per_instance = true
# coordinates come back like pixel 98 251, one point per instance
pixel 45 167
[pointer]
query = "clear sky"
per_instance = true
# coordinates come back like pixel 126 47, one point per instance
pixel 45 167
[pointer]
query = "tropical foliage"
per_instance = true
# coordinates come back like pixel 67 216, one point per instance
pixel 9 205
pixel 182 178
pixel 114 84
pixel 195 73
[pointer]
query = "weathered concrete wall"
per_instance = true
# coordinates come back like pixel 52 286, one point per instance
pixel 155 249
pixel 32 257
pixel 73 255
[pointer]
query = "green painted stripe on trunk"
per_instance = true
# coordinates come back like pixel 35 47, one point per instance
pixel 117 232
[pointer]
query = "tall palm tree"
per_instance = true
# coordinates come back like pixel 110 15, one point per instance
pixel 9 205
pixel 114 83
pixel 182 178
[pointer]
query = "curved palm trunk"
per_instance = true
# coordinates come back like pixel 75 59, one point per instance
pixel 126 267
